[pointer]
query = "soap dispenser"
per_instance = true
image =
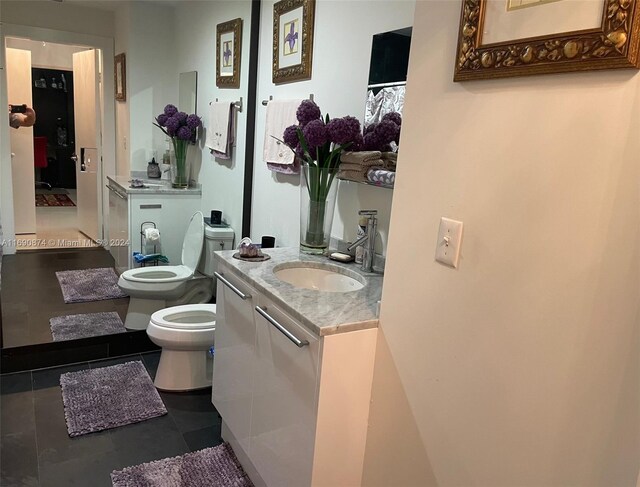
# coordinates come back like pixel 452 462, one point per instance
pixel 153 169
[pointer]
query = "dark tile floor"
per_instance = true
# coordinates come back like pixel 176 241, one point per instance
pixel 31 293
pixel 36 449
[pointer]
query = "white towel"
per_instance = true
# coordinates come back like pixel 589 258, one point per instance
pixel 218 131
pixel 279 157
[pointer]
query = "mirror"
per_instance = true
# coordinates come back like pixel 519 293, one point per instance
pixel 30 292
pixel 387 73
pixel 188 92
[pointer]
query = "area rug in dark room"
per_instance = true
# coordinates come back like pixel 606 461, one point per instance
pixel 54 200
pixel 108 397
pixel 89 285
pixel 72 327
pixel 216 466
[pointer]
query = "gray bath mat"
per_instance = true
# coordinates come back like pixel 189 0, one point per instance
pixel 217 466
pixel 71 327
pixel 108 397
pixel 89 285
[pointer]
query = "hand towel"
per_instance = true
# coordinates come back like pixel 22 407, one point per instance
pixel 220 118
pixel 381 177
pixel 364 158
pixel 357 176
pixel 279 157
pixel 390 160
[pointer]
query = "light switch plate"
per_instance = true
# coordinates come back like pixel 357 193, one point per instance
pixel 449 242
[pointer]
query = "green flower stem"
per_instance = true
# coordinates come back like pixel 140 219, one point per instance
pixel 180 148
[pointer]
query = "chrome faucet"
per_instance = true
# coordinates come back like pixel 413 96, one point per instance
pixel 369 239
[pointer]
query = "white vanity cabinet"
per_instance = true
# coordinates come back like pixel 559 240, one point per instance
pixel 294 404
pixel 119 228
pixel 235 352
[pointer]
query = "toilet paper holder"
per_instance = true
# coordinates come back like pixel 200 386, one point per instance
pixel 143 248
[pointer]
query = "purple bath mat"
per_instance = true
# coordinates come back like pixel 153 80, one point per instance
pixel 85 325
pixel 89 285
pixel 108 397
pixel 217 466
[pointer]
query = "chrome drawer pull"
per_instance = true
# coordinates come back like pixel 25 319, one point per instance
pixel 151 207
pixel 116 192
pixel 231 286
pixel 299 343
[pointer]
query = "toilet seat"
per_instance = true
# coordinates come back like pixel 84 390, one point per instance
pixel 151 275
pixel 187 317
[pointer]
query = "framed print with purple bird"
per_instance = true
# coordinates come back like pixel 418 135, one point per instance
pixel 292 40
pixel 228 49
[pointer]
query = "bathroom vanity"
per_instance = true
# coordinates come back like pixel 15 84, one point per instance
pixel 170 209
pixel 294 365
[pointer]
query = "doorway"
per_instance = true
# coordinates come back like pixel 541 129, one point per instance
pixel 57 166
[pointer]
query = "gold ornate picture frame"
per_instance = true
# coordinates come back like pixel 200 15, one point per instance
pixel 615 44
pixel 228 50
pixel 120 77
pixel 292 40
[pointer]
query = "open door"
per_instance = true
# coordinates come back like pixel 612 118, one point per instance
pixel 88 146
pixel 18 63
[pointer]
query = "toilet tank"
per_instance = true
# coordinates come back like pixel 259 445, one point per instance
pixel 215 238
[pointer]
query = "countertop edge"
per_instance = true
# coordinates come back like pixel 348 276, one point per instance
pixel 306 322
pixel 196 191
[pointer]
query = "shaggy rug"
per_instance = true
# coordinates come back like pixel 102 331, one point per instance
pixel 85 325
pixel 217 466
pixel 108 397
pixel 89 285
pixel 54 200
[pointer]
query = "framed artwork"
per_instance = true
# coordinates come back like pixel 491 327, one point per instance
pixel 120 77
pixel 501 38
pixel 228 49
pixel 292 40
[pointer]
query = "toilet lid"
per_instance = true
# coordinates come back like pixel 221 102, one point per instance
pixel 187 317
pixel 193 241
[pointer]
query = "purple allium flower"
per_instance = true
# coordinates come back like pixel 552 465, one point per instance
pixel 343 130
pixel 395 117
pixel 386 131
pixel 182 117
pixel 358 143
pixel 172 124
pixel 194 121
pixel 307 111
pixel 315 133
pixel 299 152
pixel 161 119
pixel 370 128
pixel 184 133
pixel 290 136
pixel 170 110
pixel 371 142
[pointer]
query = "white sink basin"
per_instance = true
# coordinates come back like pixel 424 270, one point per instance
pixel 319 277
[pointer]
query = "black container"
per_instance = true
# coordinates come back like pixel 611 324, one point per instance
pixel 216 217
pixel 268 242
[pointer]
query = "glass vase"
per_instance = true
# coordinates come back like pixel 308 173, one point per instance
pixel 318 188
pixel 180 164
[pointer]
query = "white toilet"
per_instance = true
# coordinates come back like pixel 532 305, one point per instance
pixel 185 334
pixel 154 288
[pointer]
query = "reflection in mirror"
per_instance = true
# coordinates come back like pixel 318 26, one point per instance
pixel 387 74
pixel 188 92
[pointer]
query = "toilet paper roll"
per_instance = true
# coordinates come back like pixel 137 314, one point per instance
pixel 150 240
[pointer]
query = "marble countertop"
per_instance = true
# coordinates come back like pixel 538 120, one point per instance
pixel 161 186
pixel 323 313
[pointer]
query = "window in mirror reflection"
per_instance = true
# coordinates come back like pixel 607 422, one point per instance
pixel 387 74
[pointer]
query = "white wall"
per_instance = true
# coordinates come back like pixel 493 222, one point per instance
pixel 121 41
pixel 50 55
pixel 222 181
pixel 522 367
pixel 341 54
pixel 64 16
pixel 152 78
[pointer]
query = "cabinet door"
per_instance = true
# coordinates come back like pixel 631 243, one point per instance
pixel 285 400
pixel 233 366
pixel 114 225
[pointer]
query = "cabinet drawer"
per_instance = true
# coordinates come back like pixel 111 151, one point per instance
pixel 285 398
pixel 235 356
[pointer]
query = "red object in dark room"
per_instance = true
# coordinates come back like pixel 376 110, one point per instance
pixel 40 151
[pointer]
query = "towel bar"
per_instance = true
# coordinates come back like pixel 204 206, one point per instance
pixel 237 104
pixel 266 102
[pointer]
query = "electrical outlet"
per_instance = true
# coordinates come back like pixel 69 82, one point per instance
pixel 449 242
